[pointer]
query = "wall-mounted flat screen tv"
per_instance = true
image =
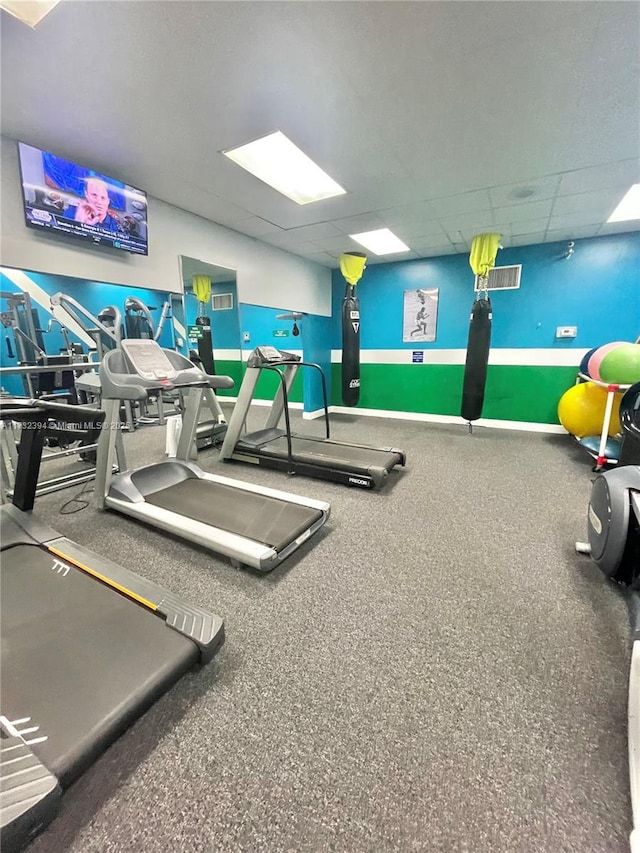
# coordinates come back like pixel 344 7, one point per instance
pixel 62 197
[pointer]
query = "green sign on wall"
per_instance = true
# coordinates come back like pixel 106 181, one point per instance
pixel 280 333
pixel 194 333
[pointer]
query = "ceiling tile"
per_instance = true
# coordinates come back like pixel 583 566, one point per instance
pixel 576 220
pixel 530 226
pixel 481 222
pixel 620 227
pixel 318 231
pixel 523 212
pixel 289 242
pixel 528 239
pixel 460 204
pixel 359 224
pixel 577 233
pixel 257 227
pixel 323 258
pixel 506 195
pixel 429 240
pixel 435 251
pixel 601 202
pixel 404 214
pixel 602 177
pixel 336 244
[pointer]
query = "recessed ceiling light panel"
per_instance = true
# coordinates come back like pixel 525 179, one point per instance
pixel 30 12
pixel 275 160
pixel 629 207
pixel 380 242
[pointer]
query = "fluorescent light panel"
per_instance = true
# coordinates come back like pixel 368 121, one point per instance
pixel 281 164
pixel 380 242
pixel 30 12
pixel 629 207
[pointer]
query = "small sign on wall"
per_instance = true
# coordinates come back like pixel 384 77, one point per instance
pixel 417 357
pixel 281 333
pixel 420 315
pixel 194 333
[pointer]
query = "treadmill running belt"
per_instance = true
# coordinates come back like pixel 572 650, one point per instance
pixel 80 659
pixel 330 454
pixel 273 522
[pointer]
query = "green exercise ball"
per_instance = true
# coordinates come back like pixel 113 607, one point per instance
pixel 621 366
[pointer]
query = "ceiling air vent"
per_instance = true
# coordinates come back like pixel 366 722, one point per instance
pixel 502 278
pixel 222 301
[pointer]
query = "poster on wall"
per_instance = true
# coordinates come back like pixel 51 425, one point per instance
pixel 420 315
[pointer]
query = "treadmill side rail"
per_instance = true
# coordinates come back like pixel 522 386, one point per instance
pixel 29 793
pixel 205 629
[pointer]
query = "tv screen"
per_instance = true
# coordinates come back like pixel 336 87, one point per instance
pixel 62 197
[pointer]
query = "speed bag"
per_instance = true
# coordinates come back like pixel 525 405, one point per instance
pixel 475 370
pixel 350 349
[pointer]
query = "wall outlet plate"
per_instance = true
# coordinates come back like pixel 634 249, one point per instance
pixel 566 331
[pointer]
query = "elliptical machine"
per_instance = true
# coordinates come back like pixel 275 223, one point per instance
pixel 613 523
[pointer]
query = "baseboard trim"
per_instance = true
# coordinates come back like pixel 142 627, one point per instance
pixel 422 417
pixel 491 423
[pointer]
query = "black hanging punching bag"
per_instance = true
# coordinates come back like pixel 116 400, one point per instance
pixel 202 290
pixel 352 266
pixel 205 345
pixel 475 370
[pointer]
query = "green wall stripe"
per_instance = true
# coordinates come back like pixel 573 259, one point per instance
pixel 232 368
pixel 267 384
pixel 513 392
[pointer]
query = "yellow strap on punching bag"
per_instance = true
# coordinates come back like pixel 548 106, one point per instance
pixel 484 249
pixel 202 287
pixel 352 266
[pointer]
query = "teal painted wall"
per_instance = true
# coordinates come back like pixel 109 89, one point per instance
pixel 597 290
pixel 225 325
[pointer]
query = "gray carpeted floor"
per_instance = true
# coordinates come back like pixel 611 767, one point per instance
pixel 435 671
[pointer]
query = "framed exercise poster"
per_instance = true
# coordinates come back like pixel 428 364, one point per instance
pixel 420 315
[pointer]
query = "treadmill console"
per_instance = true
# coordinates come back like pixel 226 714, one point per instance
pixel 269 355
pixel 148 360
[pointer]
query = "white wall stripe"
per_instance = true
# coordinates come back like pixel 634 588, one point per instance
pixel 515 357
pixel 179 329
pixel 524 426
pixel 521 426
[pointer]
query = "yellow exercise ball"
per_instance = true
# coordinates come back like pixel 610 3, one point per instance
pixel 581 410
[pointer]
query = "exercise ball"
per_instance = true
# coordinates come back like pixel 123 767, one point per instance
pixel 581 410
pixel 584 364
pixel 596 359
pixel 621 366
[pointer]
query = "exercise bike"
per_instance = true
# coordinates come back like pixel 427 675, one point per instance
pixel 613 524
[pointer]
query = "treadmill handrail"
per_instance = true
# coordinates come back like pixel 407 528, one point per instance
pixel 323 380
pixel 287 419
pixel 285 398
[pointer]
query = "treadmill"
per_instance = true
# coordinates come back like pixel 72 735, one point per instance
pixel 252 525
pixel 358 465
pixel 87 646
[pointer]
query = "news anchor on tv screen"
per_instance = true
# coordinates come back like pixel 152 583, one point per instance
pixel 93 209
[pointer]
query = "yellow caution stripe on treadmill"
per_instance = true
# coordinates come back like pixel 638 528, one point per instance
pixel 129 593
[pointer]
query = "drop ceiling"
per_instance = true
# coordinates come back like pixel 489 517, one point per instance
pixel 441 119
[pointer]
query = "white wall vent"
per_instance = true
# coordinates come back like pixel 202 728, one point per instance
pixel 502 278
pixel 222 301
